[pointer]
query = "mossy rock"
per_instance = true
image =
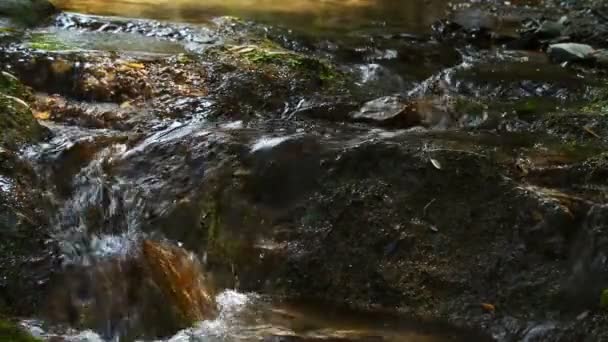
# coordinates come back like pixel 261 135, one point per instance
pixel 266 55
pixel 11 332
pixel 17 124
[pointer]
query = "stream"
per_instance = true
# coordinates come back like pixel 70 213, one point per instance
pixel 292 171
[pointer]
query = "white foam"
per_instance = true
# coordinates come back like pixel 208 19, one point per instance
pixel 6 185
pixel 266 143
pixel 230 304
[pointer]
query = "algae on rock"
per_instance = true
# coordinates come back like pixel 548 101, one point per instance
pixel 17 124
pixel 11 332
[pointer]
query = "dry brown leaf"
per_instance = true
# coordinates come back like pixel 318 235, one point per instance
pixel 488 307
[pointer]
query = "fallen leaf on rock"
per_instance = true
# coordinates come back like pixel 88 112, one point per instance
pixel 488 307
pixel 43 115
pixel 136 65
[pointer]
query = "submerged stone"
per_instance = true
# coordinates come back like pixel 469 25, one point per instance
pixel 570 52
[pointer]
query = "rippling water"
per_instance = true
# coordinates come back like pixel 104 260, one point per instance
pixel 413 15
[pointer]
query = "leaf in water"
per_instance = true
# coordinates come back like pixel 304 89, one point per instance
pixel 488 307
pixel 44 115
pixel 436 163
pixel 126 104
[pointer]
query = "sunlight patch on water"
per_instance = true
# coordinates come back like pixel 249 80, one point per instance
pixel 175 131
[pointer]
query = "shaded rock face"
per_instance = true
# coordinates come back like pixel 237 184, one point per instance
pixel 589 260
pixel 26 260
pixel 342 237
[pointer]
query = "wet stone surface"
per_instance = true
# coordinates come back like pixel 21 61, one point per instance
pixel 452 175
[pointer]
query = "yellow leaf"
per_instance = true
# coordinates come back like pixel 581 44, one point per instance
pixel 44 115
pixel 136 65
pixel 126 104
pixel 488 307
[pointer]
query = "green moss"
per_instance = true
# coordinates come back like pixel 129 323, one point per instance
pixel 17 124
pixel 11 332
pixel 47 42
pixel 267 54
pixel 604 299
pixel 598 107
pixel 296 62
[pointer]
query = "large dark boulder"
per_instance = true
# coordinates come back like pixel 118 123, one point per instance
pixel 28 12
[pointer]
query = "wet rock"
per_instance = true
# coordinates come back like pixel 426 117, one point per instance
pixel 601 57
pixel 17 124
pixel 325 108
pixel 153 292
pixel 394 111
pixel 550 29
pixel 27 11
pixel 390 110
pixel 570 52
pixel 589 261
pixel 179 275
pixel 27 258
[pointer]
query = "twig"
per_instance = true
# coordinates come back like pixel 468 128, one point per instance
pixel 590 131
pixel 426 207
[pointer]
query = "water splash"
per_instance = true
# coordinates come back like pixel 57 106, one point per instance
pixel 6 185
pixel 101 219
pixel 230 304
pixel 267 143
